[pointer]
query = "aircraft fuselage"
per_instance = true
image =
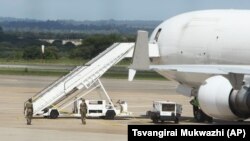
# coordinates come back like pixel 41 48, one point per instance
pixel 203 37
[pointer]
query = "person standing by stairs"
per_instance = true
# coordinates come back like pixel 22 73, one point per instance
pixel 28 111
pixel 83 110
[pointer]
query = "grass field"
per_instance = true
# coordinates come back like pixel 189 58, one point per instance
pixel 61 61
pixel 117 72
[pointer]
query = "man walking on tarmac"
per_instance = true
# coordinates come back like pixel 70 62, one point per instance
pixel 28 111
pixel 83 110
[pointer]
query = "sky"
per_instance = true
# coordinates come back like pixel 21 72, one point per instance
pixel 110 9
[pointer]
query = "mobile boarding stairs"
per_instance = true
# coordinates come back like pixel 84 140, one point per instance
pixel 61 93
pixel 82 80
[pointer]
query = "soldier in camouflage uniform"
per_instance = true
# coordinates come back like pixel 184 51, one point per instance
pixel 83 111
pixel 28 111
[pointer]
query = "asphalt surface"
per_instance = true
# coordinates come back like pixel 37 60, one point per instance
pixel 15 90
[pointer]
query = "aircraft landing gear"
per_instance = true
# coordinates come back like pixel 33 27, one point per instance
pixel 199 115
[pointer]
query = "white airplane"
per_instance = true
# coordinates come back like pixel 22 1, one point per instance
pixel 208 53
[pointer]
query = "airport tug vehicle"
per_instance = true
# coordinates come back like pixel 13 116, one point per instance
pixel 103 109
pixel 96 109
pixel 165 111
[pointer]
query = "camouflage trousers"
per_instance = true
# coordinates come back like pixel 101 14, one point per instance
pixel 83 118
pixel 29 117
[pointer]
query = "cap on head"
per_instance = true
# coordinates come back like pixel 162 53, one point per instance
pixel 30 100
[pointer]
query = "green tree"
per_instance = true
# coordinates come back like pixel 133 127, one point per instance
pixel 82 53
pixel 57 43
pixel 1 30
pixel 33 52
pixel 69 45
pixel 1 34
pixel 95 44
pixel 51 53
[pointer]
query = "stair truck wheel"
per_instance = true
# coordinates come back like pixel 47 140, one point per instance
pixel 110 114
pixel 54 114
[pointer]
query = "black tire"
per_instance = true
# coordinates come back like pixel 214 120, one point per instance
pixel 155 120
pixel 198 114
pixel 210 119
pixel 154 117
pixel 241 120
pixel 54 114
pixel 176 120
pixel 110 114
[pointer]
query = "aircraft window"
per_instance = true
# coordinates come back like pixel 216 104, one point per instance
pixel 157 34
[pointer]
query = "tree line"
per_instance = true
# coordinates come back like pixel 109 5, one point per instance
pixel 89 27
pixel 17 45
